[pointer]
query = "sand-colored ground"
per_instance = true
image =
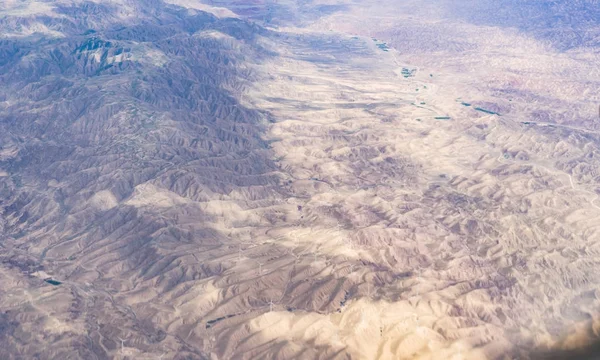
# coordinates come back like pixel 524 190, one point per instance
pixel 375 181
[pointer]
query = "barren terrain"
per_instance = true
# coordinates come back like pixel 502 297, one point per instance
pixel 297 180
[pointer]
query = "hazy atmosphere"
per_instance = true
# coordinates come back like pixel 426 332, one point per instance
pixel 299 179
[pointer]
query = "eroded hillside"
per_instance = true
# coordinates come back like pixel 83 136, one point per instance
pixel 292 180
